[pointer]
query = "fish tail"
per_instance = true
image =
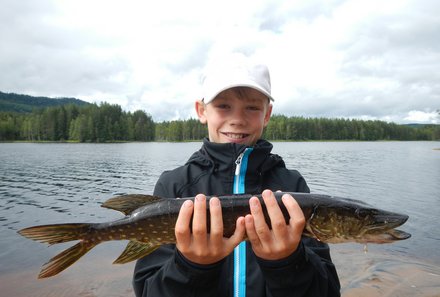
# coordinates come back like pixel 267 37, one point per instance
pixel 65 259
pixel 59 233
pixel 56 233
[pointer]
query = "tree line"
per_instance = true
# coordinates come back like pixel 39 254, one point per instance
pixel 109 123
pixel 90 123
pixel 300 128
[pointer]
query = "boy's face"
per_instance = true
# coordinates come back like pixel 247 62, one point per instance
pixel 236 115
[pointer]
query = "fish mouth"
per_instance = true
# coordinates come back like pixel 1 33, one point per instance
pixel 381 220
pixel 397 234
pixel 381 229
pixel 387 236
pixel 390 220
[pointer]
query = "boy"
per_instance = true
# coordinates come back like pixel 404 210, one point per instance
pixel 236 107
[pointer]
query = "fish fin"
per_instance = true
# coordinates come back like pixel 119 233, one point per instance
pixel 128 203
pixel 65 259
pixel 135 250
pixel 56 233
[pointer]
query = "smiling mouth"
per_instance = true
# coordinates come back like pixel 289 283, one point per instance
pixel 236 135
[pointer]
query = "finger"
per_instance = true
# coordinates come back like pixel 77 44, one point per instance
pixel 199 228
pixel 182 228
pixel 297 219
pixel 277 219
pixel 252 233
pixel 261 228
pixel 239 233
pixel 216 230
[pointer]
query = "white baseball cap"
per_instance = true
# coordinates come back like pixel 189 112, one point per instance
pixel 235 72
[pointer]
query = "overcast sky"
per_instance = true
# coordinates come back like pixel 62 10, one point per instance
pixel 375 59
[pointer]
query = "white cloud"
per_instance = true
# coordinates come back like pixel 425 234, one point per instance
pixel 341 58
pixel 418 116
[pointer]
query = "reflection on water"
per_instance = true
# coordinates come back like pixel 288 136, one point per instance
pixel 48 183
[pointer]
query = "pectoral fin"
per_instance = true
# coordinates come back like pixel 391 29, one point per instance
pixel 135 250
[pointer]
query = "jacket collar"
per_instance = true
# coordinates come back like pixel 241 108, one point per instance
pixel 222 156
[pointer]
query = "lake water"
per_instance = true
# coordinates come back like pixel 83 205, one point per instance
pixel 53 183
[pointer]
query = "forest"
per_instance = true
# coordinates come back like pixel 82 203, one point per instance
pixel 109 123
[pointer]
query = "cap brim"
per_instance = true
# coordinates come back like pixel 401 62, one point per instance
pixel 209 97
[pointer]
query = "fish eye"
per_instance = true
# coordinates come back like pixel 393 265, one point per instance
pixel 362 212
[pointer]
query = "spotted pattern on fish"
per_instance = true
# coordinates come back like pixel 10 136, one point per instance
pixel 149 222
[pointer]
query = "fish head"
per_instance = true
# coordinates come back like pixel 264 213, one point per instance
pixel 355 222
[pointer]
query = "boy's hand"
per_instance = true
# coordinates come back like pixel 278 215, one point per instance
pixel 283 239
pixel 199 246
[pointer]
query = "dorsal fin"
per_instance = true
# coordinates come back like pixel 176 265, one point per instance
pixel 128 203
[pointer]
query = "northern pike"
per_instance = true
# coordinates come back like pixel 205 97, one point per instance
pixel 149 222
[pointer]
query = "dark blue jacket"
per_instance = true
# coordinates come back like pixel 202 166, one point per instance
pixel 309 271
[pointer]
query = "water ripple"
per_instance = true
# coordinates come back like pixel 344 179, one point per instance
pixel 51 183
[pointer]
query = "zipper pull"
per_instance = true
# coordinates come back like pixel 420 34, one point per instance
pixel 238 164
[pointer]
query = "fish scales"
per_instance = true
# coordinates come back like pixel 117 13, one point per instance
pixel 149 222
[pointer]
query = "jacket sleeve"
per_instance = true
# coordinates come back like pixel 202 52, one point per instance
pixel 307 272
pixel 165 272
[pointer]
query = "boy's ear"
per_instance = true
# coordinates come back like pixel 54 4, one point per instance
pixel 267 115
pixel 200 109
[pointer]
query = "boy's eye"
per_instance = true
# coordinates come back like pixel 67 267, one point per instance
pixel 256 108
pixel 222 106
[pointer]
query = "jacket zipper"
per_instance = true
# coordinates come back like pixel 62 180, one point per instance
pixel 237 174
pixel 240 250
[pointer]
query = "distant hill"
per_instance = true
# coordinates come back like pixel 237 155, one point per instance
pixel 25 103
pixel 414 125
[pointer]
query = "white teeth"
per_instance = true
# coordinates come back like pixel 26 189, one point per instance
pixel 235 136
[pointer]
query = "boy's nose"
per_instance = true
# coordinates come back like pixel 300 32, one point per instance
pixel 238 118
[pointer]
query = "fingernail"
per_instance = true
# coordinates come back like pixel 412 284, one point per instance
pixel 214 202
pixel 187 203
